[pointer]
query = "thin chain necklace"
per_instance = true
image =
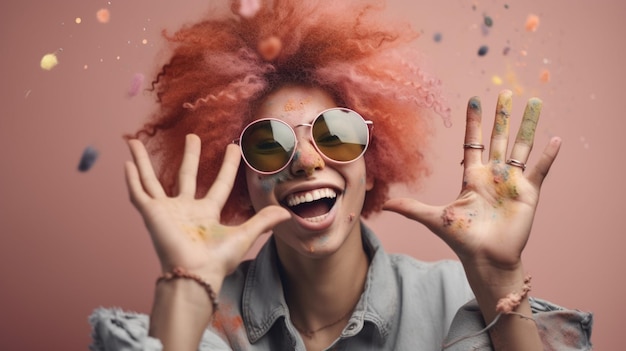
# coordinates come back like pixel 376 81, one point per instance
pixel 309 333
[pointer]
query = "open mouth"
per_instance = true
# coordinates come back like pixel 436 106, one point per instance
pixel 312 205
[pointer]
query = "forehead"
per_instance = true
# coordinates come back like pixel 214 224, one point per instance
pixel 295 102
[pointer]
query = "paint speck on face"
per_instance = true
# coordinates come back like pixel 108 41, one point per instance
pixel 296 105
pixel 351 217
pixel 308 159
pixel 323 240
pixel 269 182
pixel 437 37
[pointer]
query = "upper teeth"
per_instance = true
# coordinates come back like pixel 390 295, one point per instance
pixel 310 196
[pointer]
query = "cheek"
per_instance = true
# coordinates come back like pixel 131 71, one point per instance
pixel 261 187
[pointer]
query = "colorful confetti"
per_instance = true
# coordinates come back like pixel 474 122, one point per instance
pixel 49 61
pixel 103 16
pixel 88 159
pixel 544 76
pixel 496 80
pixel 135 84
pixel 269 48
pixel 249 8
pixel 488 21
pixel 482 51
pixel 532 22
pixel 78 20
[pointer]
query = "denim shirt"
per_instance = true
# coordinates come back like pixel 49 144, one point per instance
pixel 406 305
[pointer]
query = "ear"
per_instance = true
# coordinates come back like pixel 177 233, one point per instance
pixel 369 182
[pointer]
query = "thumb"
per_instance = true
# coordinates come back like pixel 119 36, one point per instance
pixel 413 209
pixel 263 221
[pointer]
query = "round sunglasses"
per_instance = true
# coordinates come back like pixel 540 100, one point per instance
pixel 339 134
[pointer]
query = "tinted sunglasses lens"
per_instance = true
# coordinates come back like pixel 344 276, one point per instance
pixel 267 145
pixel 341 134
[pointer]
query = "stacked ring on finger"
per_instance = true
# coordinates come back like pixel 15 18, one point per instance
pixel 516 163
pixel 474 146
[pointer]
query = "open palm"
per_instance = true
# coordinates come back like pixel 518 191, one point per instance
pixel 490 221
pixel 185 230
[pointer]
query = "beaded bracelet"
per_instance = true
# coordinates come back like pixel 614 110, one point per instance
pixel 505 305
pixel 179 272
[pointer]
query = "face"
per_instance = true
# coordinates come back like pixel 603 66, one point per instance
pixel 324 197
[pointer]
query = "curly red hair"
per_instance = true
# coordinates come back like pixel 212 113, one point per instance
pixel 221 67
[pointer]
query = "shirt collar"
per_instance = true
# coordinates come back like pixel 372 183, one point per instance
pixel 263 300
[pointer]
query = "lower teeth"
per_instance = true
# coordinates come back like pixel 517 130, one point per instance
pixel 317 219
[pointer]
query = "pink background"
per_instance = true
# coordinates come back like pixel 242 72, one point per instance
pixel 71 241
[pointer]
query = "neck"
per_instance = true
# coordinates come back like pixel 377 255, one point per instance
pixel 322 291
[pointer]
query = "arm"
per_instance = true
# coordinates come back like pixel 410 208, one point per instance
pixel 489 223
pixel 186 232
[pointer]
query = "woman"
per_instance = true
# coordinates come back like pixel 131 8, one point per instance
pixel 327 111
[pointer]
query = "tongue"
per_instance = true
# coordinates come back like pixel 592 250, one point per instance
pixel 311 209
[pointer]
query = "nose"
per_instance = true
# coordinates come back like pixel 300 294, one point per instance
pixel 306 159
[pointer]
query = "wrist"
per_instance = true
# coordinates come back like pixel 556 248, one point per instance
pixel 181 311
pixel 484 275
pixel 190 292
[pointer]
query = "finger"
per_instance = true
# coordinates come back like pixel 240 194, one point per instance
pixel 415 210
pixel 526 133
pixel 188 173
pixel 148 178
pixel 540 171
pixel 225 179
pixel 263 221
pixel 500 132
pixel 133 184
pixel 473 148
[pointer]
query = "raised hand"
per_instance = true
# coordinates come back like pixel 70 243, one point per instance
pixel 186 232
pixel 490 221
